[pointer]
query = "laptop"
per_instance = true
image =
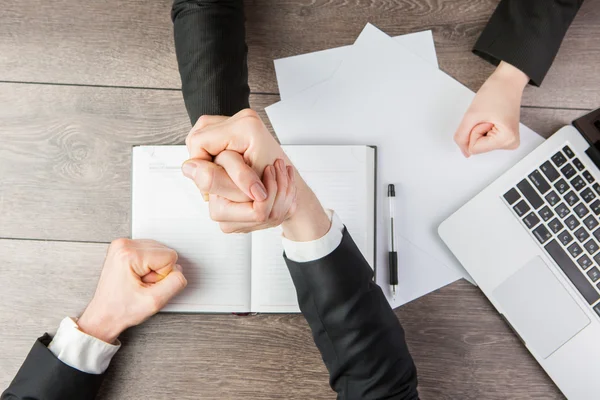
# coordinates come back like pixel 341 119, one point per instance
pixel 531 241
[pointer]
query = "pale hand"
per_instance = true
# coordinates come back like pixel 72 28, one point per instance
pixel 492 120
pixel 228 156
pixel 138 279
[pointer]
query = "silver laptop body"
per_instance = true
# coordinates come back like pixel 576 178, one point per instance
pixel 531 241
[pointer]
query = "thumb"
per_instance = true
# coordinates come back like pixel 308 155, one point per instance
pixel 464 133
pixel 211 178
pixel 168 287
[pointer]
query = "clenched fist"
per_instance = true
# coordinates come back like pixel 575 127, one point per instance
pixel 138 279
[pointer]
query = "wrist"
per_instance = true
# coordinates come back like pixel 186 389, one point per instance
pixel 310 220
pixel 99 325
pixel 511 75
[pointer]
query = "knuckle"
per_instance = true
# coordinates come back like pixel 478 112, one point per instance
pixel 261 216
pixel 248 113
pixel 227 228
pixel 126 254
pixel 119 243
pixel 181 281
pixel 205 178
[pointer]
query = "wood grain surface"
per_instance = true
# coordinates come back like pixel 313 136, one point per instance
pixel 463 350
pixel 81 82
pixel 130 43
pixel 65 154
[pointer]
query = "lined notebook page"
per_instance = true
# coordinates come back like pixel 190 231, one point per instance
pixel 343 179
pixel 168 207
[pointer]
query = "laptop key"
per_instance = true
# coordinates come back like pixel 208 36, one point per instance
pixel 596 187
pixel 568 171
pixel 584 262
pixel 530 194
pixel 542 234
pixel 512 196
pixel 561 210
pixel 531 220
pixel 571 222
pixel 559 159
pixel 521 208
pixel 555 225
pixel 552 198
pixel 561 186
pixel 597 308
pixel 567 150
pixel 546 213
pixel 596 207
pixel 594 274
pixel 591 246
pixel 578 183
pixel 572 272
pixel 587 195
pixel 581 235
pixel 571 198
pixel 550 172
pixel 565 237
pixel 591 222
pixel 588 177
pixel 581 210
pixel 578 164
pixel 538 180
pixel 575 250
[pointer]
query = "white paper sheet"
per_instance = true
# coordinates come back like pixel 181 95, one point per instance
pixel 298 73
pixel 384 95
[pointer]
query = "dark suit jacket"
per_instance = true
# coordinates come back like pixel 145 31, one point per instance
pixel 527 34
pixel 360 338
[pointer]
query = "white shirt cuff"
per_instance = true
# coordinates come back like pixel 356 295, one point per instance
pixel 80 350
pixel 316 249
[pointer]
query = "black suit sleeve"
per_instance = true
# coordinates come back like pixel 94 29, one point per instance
pixel 527 34
pixel 44 377
pixel 210 43
pixel 354 328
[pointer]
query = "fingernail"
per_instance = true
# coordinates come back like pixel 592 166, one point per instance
pixel 281 165
pixel 178 268
pixel 205 197
pixel 290 171
pixel 189 169
pixel 258 192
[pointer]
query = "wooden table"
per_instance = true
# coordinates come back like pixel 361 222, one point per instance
pixel 81 82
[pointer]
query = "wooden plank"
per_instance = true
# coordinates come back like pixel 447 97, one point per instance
pixel 461 347
pixel 65 154
pixel 130 43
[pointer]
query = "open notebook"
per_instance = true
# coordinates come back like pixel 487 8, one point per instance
pixel 237 272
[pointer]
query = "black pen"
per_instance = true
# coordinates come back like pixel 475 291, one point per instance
pixel 393 255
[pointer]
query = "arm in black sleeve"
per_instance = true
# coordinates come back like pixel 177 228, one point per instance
pixel 210 43
pixel 527 34
pixel 354 328
pixel 44 377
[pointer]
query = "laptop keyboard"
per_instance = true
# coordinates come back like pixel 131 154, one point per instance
pixel 559 204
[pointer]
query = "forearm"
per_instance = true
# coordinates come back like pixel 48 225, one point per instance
pixel 211 53
pixel 356 331
pixel 527 34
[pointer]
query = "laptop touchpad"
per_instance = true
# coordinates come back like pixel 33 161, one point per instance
pixel 539 307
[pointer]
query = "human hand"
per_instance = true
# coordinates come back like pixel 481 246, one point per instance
pixel 227 154
pixel 492 120
pixel 138 279
pixel 243 148
pixel 234 217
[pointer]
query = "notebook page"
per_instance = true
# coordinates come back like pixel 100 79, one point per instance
pixel 342 177
pixel 168 207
